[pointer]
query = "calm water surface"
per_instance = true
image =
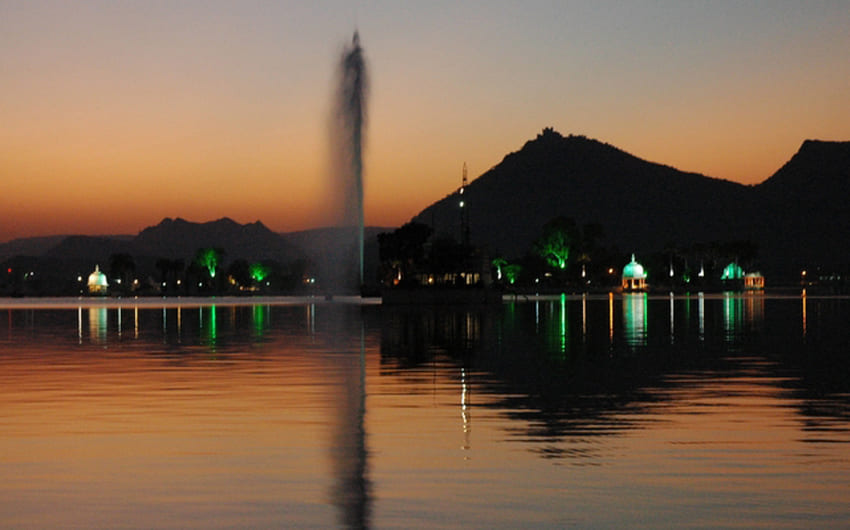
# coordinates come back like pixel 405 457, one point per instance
pixel 587 412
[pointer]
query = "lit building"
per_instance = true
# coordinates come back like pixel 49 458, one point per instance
pixel 97 282
pixel 734 277
pixel 634 277
pixel 753 281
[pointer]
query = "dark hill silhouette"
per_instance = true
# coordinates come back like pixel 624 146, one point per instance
pixel 646 207
pixel 89 247
pixel 178 238
pixel 805 214
pixel 641 205
pixel 30 246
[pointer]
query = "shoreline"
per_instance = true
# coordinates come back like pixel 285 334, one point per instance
pixel 153 302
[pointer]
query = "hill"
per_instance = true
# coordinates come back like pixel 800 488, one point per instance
pixel 640 204
pixel 646 207
pixel 805 217
pixel 178 238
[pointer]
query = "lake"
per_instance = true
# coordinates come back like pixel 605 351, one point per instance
pixel 620 411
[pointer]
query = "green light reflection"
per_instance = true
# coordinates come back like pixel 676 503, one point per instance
pixel 634 318
pixel 259 319
pixel 563 324
pixel 209 328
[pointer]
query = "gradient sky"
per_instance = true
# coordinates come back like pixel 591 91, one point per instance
pixel 115 114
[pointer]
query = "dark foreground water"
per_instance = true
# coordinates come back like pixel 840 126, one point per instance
pixel 620 412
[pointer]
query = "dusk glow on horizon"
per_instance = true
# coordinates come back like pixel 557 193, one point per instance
pixel 115 115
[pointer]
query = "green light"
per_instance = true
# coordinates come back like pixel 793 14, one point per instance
pixel 258 271
pixel 554 245
pixel 259 313
pixel 733 271
pixel 212 331
pixel 635 318
pixel 563 330
pixel 633 269
pixel 209 258
pixel 512 272
pixel 499 263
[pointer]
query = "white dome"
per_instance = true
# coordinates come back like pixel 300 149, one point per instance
pixel 97 278
pixel 633 269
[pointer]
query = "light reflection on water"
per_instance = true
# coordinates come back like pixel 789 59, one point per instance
pixel 605 411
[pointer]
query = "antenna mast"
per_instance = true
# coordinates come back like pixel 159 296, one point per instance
pixel 464 210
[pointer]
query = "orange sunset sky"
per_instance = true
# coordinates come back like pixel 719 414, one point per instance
pixel 114 115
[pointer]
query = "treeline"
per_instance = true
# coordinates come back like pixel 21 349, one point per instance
pixel 565 255
pixel 208 272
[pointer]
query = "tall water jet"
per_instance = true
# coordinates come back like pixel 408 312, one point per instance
pixel 347 139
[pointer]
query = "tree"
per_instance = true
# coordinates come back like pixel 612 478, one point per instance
pixel 209 258
pixel 559 235
pixel 512 272
pixel 239 273
pixel 259 271
pixel 403 249
pixel 121 268
pixel 499 264
pixel 169 272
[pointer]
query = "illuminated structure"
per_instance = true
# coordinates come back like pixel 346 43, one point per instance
pixel 732 272
pixel 753 281
pixel 97 282
pixel 464 211
pixel 734 277
pixel 634 277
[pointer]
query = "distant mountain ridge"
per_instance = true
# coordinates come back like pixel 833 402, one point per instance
pixel 805 213
pixel 180 239
pixel 645 207
pixel 171 238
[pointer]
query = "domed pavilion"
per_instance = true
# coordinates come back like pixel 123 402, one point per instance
pixel 634 277
pixel 97 282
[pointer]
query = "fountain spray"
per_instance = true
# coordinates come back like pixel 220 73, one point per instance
pixel 351 121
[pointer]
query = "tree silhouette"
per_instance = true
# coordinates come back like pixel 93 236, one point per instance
pixel 121 268
pixel 259 271
pixel 559 235
pixel 209 258
pixel 403 249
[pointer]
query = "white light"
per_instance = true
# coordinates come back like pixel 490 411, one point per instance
pixel 461 204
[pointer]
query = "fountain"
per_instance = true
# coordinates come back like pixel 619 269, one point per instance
pixel 347 139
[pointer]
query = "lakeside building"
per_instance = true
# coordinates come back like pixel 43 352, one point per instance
pixel 753 281
pixel 97 282
pixel 734 277
pixel 634 276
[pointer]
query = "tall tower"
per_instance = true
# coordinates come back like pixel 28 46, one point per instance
pixel 464 210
